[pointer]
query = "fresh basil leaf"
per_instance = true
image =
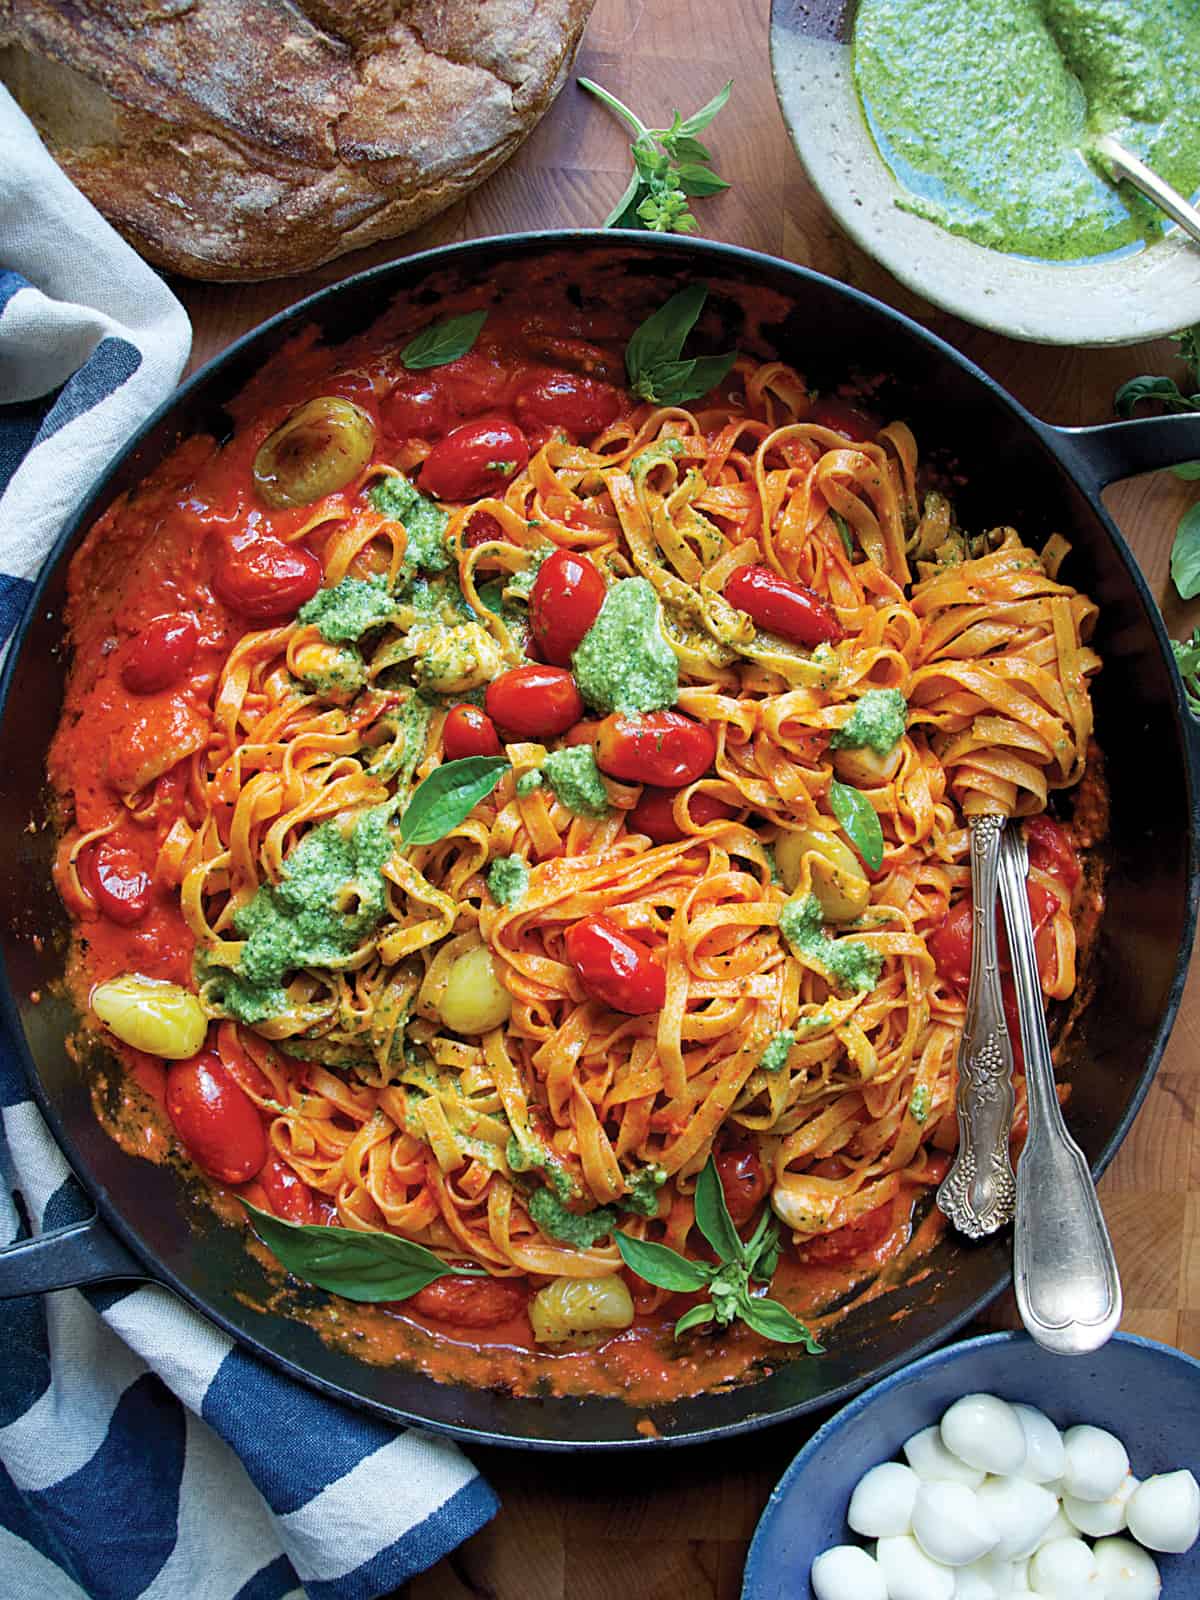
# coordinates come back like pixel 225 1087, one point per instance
pixel 697 181
pixel 695 1318
pixel 662 1266
pixel 492 594
pixel 357 1265
pixel 675 382
pixel 712 1215
pixel 1189 471
pixel 776 1322
pixel 843 529
pixel 684 148
pixel 764 1238
pixel 443 342
pixel 1146 387
pixel 699 120
pixel 660 338
pixel 1187 659
pixel 859 821
pixel 1185 554
pixel 625 213
pixel 450 793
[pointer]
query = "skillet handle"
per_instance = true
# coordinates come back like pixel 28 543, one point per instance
pixel 65 1258
pixel 1101 455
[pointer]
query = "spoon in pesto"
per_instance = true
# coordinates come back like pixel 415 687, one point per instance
pixel 1124 164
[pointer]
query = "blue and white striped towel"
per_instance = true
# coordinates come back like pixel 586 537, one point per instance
pixel 141 1452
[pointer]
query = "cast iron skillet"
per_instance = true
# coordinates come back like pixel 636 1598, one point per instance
pixel 150 1222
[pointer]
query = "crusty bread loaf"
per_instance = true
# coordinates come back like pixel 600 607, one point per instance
pixel 253 138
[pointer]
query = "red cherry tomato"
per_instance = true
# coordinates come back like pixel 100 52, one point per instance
pixel 615 967
pixel 263 578
pixel 217 1121
pixel 482 528
pixel 743 1180
pixel 841 1244
pixel 468 731
pixel 782 607
pixel 160 655
pixel 841 417
pixel 475 459
pixel 564 602
pixel 417 408
pixel 289 1196
pixel 582 733
pixel 534 702
pixel 469 1302
pixel 950 943
pixel 567 400
pixel 120 885
pixel 1051 850
pixel 663 748
pixel 654 814
pixel 477 383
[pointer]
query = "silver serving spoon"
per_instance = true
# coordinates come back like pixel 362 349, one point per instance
pixel 1064 1270
pixel 978 1194
pixel 1126 165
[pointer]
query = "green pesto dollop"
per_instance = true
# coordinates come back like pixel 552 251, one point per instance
pixel 575 778
pixel 424 522
pixel 642 1190
pixel 654 455
pixel 776 1053
pixel 985 110
pixel 918 1105
pixel 234 996
pixel 439 599
pixel 878 720
pixel 409 729
pixel 582 1230
pixel 850 963
pixel 342 672
pixel 508 879
pixel 623 662
pixel 525 1152
pixel 350 609
pixel 529 781
pixel 521 583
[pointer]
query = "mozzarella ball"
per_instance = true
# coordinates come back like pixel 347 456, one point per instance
pixel 1021 1512
pixel 1099 1517
pixel 986 1579
pixel 1128 1572
pixel 847 1573
pixel 933 1463
pixel 909 1573
pixel 985 1432
pixel 1059 1528
pixel 881 1505
pixel 1045 1457
pixel 1164 1512
pixel 1096 1463
pixel 1065 1566
pixel 950 1525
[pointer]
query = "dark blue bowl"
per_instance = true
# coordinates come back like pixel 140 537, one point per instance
pixel 1145 1393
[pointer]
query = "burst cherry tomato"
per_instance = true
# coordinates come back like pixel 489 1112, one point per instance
pixel 120 885
pixel 743 1180
pixel 468 731
pixel 217 1121
pixel 1051 850
pixel 841 417
pixel 160 655
pixel 582 733
pixel 469 1302
pixel 564 602
pixel 482 528
pixel 263 578
pixel 842 1244
pixel 782 607
pixel 950 944
pixel 417 408
pixel 663 748
pixel 289 1196
pixel 475 459
pixel 654 814
pixel 567 400
pixel 534 702
pixel 477 383
pixel 616 968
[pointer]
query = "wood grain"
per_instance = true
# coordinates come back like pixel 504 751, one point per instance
pixel 580 1528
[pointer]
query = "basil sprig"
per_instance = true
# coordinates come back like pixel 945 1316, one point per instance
pixel 450 793
pixel 859 821
pixel 654 358
pixel 357 1265
pixel 728 1282
pixel 443 342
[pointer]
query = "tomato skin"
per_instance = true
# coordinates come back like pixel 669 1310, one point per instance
pixel 654 814
pixel 482 528
pixel 215 1119
pixel 468 731
pixel 476 383
pixel 469 1302
pixel 567 400
pixel 782 607
pixel 534 702
pixel 120 885
pixel 839 416
pixel 564 602
pixel 843 1244
pixel 475 459
pixel 950 943
pixel 582 733
pixel 662 748
pixel 616 968
pixel 417 408
pixel 290 1197
pixel 1050 849
pixel 263 578
pixel 159 656
pixel 743 1180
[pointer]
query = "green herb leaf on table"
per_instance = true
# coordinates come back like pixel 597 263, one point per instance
pixel 448 795
pixel 1187 659
pixel 1165 390
pixel 859 822
pixel 1185 554
pixel 1189 471
pixel 443 342
pixel 653 357
pixel 368 1266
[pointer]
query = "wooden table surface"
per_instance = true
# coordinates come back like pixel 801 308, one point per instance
pixel 678 1523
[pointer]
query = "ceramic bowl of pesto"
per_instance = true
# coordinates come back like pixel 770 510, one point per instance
pixel 949 138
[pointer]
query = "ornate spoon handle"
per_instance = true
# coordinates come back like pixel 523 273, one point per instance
pixel 1064 1271
pixel 978 1194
